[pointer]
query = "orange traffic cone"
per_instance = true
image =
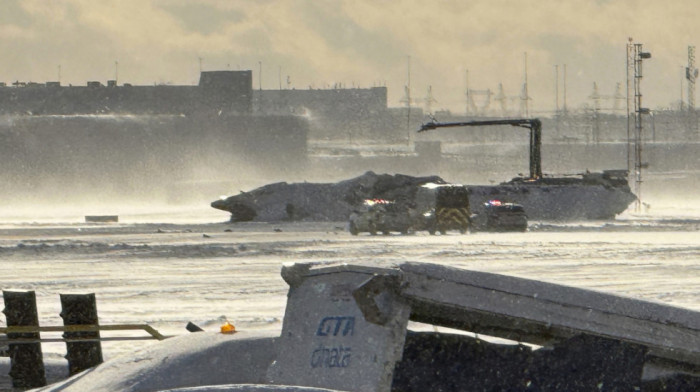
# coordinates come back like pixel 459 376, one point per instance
pixel 228 328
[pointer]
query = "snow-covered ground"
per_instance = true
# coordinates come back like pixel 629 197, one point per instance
pixel 167 267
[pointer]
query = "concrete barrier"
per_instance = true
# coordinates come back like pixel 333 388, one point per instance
pixel 101 218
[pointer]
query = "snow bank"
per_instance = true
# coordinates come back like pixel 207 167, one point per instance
pixel 191 360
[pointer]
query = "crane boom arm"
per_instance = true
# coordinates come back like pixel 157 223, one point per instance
pixel 533 124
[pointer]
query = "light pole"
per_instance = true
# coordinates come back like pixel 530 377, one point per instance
pixel 639 56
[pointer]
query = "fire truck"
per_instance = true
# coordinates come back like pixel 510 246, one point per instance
pixel 435 208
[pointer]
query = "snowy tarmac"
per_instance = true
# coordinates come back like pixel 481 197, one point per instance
pixel 166 274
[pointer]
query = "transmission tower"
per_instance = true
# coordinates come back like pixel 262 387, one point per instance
pixel 502 99
pixel 525 97
pixel 429 100
pixel 617 97
pixel 482 109
pixel 466 93
pixel 690 74
pixel 524 101
pixel 472 109
pixel 595 96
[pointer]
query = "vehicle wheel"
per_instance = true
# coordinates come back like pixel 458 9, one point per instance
pixel 372 229
pixel 385 232
pixel 431 230
pixel 353 229
pixel 463 229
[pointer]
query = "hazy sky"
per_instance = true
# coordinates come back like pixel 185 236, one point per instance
pixel 356 42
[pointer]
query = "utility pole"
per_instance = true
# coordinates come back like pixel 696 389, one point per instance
pixel 595 96
pixel 409 136
pixel 556 89
pixel 525 97
pixel 407 100
pixel 564 105
pixel 468 96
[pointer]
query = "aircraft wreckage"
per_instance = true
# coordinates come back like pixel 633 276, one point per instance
pixel 346 328
pixel 588 196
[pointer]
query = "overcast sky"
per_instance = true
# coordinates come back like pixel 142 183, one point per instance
pixel 356 42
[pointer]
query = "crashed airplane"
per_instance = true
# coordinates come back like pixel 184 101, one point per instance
pixel 589 196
